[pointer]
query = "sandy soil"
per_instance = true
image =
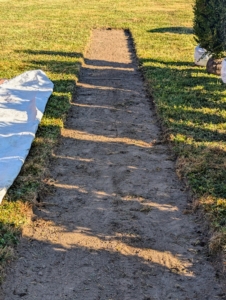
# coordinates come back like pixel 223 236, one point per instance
pixel 114 226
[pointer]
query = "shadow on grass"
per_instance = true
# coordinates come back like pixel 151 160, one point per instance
pixel 104 221
pixel 176 30
pixel 108 214
pixel 192 106
pixel 26 185
pixel 55 112
pixel 52 53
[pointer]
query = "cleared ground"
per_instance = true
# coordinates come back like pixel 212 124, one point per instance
pixel 114 225
pixel 52 35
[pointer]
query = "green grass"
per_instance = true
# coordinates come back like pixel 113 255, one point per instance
pixel 13 215
pixel 53 36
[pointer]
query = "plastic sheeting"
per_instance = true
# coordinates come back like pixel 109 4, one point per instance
pixel 200 56
pixel 223 70
pixel 22 103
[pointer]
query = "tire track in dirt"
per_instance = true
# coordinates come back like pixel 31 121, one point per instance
pixel 115 228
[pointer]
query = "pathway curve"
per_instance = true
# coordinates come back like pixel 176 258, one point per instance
pixel 114 227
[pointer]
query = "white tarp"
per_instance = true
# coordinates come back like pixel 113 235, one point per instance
pixel 223 70
pixel 201 57
pixel 22 103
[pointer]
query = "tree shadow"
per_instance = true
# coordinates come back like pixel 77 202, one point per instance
pixel 176 30
pixel 52 53
pixel 104 63
pixel 106 234
pixel 58 104
pixel 192 108
pixel 191 96
pixel 109 223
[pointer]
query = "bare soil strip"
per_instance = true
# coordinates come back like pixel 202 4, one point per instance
pixel 115 227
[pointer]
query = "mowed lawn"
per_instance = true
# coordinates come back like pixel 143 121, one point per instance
pixel 53 36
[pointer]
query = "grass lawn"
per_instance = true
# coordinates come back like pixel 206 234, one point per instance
pixel 52 35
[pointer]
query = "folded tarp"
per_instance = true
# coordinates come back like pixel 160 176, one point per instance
pixel 22 104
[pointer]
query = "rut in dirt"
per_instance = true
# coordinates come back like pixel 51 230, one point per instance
pixel 114 227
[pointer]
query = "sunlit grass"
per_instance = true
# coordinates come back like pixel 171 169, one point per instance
pixel 53 36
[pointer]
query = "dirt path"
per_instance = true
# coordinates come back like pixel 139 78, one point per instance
pixel 115 228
